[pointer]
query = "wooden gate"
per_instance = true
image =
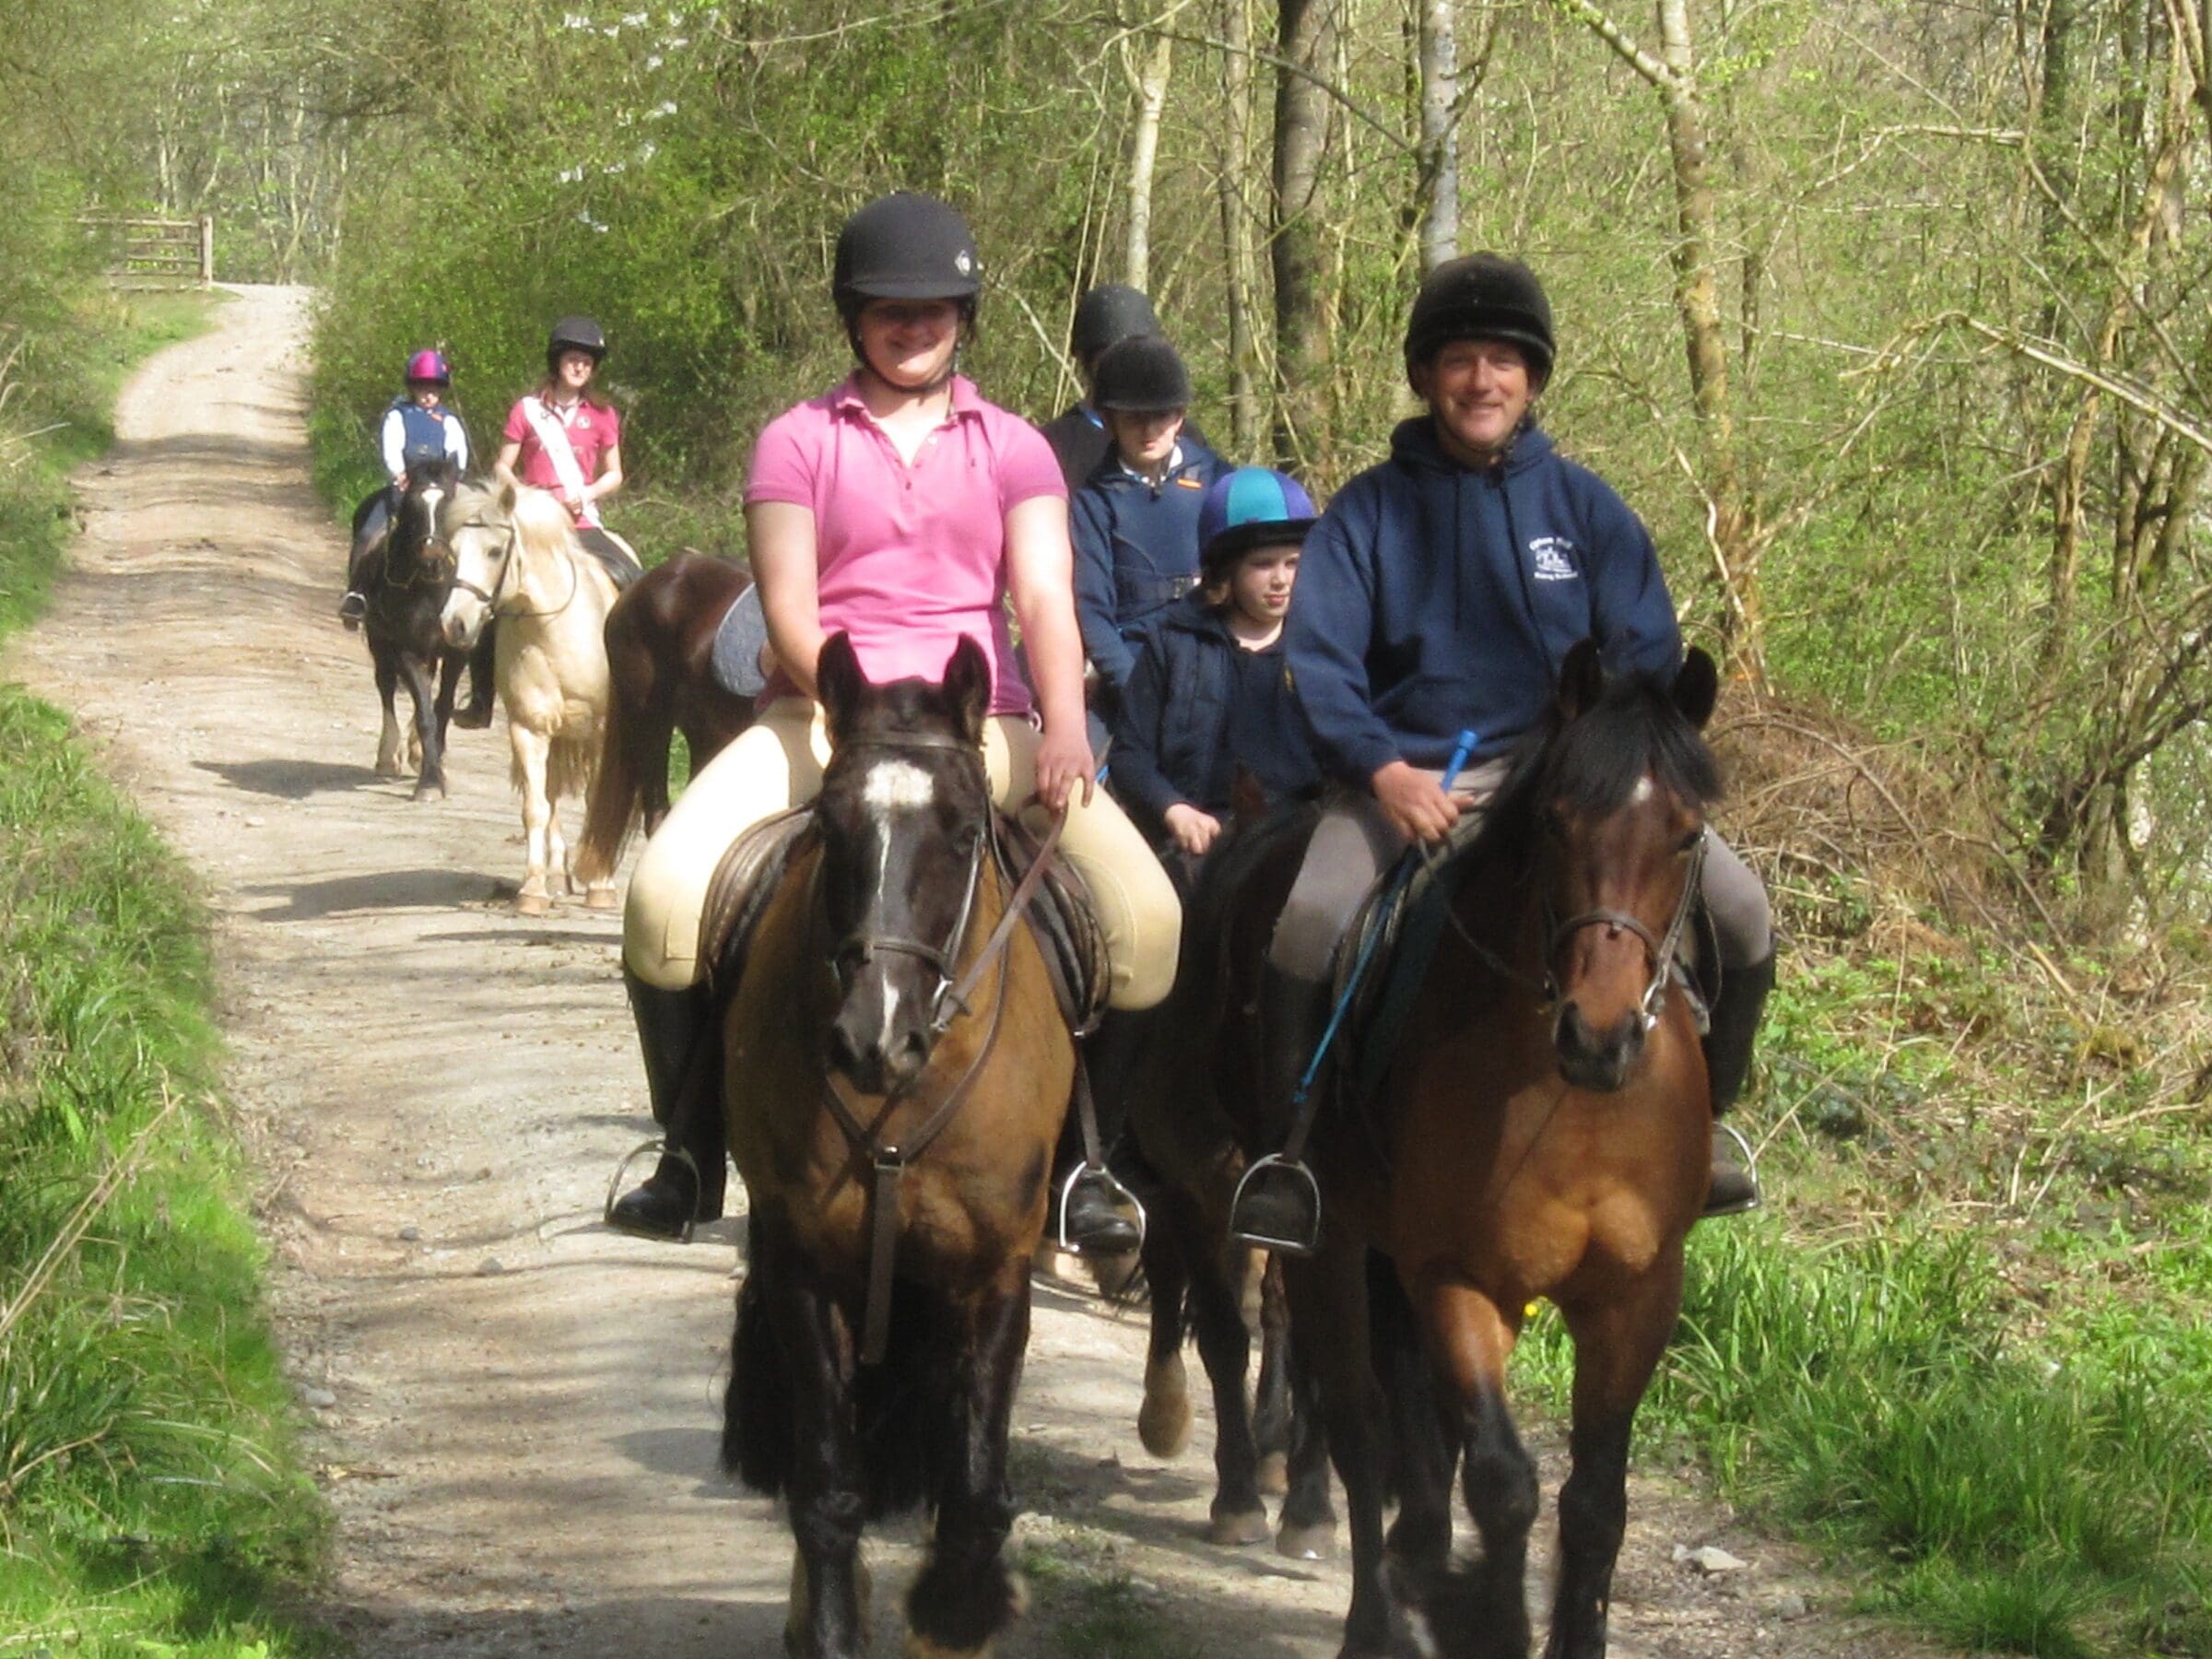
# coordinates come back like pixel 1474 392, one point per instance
pixel 140 251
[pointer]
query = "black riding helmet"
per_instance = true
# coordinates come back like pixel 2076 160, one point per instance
pixel 1142 375
pixel 905 247
pixel 1481 297
pixel 1108 314
pixel 574 334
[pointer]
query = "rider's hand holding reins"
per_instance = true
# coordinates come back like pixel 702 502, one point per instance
pixel 1065 766
pixel 1417 806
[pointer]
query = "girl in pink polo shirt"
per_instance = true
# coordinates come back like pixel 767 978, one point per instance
pixel 903 510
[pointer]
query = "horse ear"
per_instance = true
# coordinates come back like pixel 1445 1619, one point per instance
pixel 1582 679
pixel 837 678
pixel 1697 688
pixel 508 497
pixel 968 687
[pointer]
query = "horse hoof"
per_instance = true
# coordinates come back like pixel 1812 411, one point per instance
pixel 1275 1474
pixel 387 769
pixel 1316 1543
pixel 429 791
pixel 1235 1529
pixel 532 904
pixel 599 899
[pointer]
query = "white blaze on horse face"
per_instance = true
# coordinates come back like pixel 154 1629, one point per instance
pixel 894 785
pixel 1645 789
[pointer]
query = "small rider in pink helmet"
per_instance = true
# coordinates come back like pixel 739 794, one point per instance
pixel 417 425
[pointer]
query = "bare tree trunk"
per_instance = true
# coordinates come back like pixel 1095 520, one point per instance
pixel 1303 46
pixel 1247 419
pixel 1732 515
pixel 1144 156
pixel 1439 55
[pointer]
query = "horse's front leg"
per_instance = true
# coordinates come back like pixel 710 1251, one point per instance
pixel 449 664
pixel 531 749
pixel 829 1616
pixel 1328 1323
pixel 389 762
pixel 1617 1347
pixel 1469 1339
pixel 431 781
pixel 966 1594
pixel 1271 1395
pixel 1163 1421
pixel 1225 1349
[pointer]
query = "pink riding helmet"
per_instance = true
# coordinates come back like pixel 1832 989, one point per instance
pixel 430 365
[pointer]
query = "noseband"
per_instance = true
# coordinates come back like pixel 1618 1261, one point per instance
pixel 1658 948
pixel 507 562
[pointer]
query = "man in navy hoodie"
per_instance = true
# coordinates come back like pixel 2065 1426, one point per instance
pixel 1439 594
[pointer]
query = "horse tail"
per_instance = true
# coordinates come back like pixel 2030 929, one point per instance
pixel 757 1432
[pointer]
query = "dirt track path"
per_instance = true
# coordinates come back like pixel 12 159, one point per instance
pixel 516 1411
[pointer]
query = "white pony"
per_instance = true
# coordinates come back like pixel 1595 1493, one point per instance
pixel 515 557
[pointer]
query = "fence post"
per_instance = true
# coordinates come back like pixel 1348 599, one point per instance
pixel 206 248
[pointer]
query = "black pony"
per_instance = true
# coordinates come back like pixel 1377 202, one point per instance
pixel 406 582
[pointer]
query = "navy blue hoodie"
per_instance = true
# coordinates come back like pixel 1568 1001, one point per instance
pixel 1433 599
pixel 1136 551
pixel 1195 693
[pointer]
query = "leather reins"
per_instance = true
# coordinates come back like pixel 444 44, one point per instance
pixel 509 558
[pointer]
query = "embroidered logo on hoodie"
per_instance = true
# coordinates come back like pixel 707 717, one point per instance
pixel 1555 560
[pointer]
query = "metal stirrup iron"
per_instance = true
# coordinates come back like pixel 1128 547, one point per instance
pixel 665 1150
pixel 1093 1165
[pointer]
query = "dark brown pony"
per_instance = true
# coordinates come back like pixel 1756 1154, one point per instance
pixel 660 637
pixel 891 1052
pixel 1184 1159
pixel 1542 1130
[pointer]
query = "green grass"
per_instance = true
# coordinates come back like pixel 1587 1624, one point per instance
pixel 1093 1607
pixel 151 1496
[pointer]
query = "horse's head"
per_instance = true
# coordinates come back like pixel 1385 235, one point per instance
pixel 905 820
pixel 417 550
pixel 1619 796
pixel 491 534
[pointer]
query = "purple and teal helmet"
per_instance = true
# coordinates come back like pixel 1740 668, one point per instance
pixel 429 366
pixel 1252 507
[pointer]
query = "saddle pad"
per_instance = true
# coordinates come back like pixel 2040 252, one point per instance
pixel 739 637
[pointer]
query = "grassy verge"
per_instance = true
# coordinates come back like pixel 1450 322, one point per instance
pixel 151 1501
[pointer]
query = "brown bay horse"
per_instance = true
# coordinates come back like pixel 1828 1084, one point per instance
pixel 896 1054
pixel 660 641
pixel 1542 1130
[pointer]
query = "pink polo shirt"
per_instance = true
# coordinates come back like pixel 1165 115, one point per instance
pixel 591 432
pixel 909 558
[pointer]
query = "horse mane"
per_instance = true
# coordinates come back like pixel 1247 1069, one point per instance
pixel 1589 762
pixel 541 523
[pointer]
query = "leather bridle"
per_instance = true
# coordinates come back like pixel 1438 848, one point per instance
pixel 1658 948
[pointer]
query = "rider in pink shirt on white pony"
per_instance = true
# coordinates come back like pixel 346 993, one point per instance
pixel 903 509
pixel 566 439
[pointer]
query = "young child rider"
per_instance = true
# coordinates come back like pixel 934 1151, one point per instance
pixel 417 424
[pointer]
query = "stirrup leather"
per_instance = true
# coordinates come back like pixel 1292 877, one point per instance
pixel 659 1148
pixel 1259 1240
pixel 1122 1194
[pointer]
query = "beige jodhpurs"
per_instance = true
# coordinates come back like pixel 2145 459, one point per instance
pixel 778 763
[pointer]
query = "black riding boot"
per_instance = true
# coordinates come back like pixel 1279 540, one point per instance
pixel 1278 1201
pixel 683 1078
pixel 1096 1214
pixel 1734 1023
pixel 477 715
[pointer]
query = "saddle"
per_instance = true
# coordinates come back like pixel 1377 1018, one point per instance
pixel 1060 915
pixel 734 658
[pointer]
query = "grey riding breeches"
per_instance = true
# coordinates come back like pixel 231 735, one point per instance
pixel 1354 845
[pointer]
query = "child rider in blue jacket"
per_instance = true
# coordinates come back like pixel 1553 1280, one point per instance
pixel 1208 694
